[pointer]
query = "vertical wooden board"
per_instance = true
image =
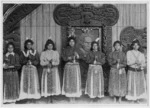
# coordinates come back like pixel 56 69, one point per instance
pixel 119 31
pixel 52 23
pixel 142 18
pixel 45 23
pixel 144 15
pixel 49 20
pixel 137 16
pixel 124 15
pixel 39 30
pixel 114 34
pixel 132 15
pixel 120 14
pixel 58 38
pixel 22 32
pixel 28 26
pixel 127 14
pixel 118 7
pixel 33 27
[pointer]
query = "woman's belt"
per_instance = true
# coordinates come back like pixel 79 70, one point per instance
pixel 135 69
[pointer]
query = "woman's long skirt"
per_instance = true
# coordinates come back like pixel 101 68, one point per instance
pixel 117 82
pixel 95 82
pixel 29 85
pixel 11 86
pixel 72 80
pixel 136 85
pixel 50 82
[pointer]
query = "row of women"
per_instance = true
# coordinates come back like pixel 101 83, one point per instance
pixel 131 84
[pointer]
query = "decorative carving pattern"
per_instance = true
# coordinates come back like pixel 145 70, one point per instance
pixel 86 15
pixel 17 15
pixel 64 35
pixel 129 33
pixel 107 39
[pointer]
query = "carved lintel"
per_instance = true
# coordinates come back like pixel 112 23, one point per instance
pixel 86 15
pixel 19 13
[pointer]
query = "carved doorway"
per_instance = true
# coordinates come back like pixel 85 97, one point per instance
pixel 88 20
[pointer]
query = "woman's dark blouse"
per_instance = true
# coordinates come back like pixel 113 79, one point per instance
pixel 33 58
pixel 91 57
pixel 12 60
pixel 113 56
pixel 68 52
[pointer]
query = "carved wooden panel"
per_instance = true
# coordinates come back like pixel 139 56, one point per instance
pixel 17 15
pixel 86 15
pixel 128 34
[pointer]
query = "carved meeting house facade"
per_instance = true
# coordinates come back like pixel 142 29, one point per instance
pixel 109 22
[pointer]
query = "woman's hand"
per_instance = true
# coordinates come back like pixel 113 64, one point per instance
pixel 118 60
pixel 94 62
pixel 69 58
pixel 29 62
pixel 49 65
pixel 76 55
pixel 99 63
pixel 114 61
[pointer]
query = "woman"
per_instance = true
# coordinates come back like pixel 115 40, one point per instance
pixel 50 77
pixel 136 78
pixel 29 85
pixel 117 78
pixel 71 78
pixel 95 79
pixel 10 74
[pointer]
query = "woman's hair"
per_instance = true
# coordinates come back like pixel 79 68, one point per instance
pixel 10 43
pixel 94 42
pixel 49 41
pixel 117 42
pixel 26 42
pixel 69 39
pixel 134 42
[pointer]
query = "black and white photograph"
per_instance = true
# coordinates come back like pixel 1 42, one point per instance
pixel 74 53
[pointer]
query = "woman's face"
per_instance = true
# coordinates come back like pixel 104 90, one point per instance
pixel 72 43
pixel 117 46
pixel 95 47
pixel 50 47
pixel 136 46
pixel 10 48
pixel 29 45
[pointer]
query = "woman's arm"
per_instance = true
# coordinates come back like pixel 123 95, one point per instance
pixel 65 55
pixel 43 60
pixel 56 59
pixel 101 59
pixel 124 61
pixel 17 63
pixel 111 61
pixel 36 61
pixel 23 59
pixel 130 61
pixel 89 58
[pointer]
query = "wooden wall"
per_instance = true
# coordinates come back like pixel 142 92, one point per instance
pixel 40 24
pixel 129 15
